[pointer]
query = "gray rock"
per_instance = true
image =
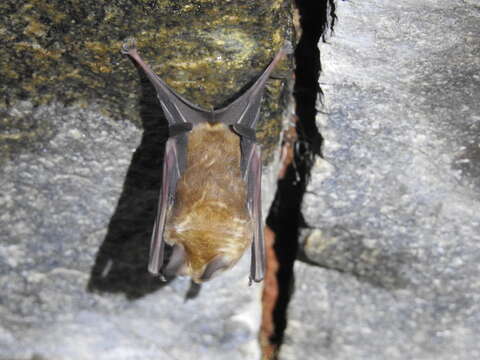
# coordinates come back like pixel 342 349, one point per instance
pixel 392 252
pixel 77 213
pixel 79 184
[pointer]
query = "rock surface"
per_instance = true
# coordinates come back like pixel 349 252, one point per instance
pixel 208 51
pixel 62 297
pixel 80 165
pixel 391 257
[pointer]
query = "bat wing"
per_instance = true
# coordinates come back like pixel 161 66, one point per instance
pixel 254 203
pixel 171 173
pixel 245 112
pixel 181 115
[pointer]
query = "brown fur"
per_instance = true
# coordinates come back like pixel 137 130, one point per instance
pixel 210 217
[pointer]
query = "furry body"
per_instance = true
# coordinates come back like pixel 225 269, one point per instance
pixel 209 216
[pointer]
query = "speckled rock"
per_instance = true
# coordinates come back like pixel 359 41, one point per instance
pixel 208 51
pixel 391 257
pixel 74 251
pixel 81 144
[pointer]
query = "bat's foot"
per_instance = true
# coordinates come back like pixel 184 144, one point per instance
pixel 129 46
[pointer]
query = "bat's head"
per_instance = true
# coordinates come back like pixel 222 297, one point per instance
pixel 207 243
pixel 180 263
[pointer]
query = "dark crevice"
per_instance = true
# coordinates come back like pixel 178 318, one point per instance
pixel 316 19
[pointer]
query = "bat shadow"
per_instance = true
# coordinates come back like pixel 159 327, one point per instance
pixel 121 262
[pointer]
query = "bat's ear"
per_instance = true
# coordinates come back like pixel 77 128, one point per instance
pixel 177 260
pixel 217 264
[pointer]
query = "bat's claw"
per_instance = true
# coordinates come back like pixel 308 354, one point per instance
pixel 129 46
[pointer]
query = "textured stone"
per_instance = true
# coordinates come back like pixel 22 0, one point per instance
pixel 69 51
pixel 81 148
pixel 393 208
pixel 62 297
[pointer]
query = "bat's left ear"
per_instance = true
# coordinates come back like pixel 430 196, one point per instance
pixel 177 260
pixel 217 264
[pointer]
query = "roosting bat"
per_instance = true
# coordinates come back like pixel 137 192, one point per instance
pixel 210 203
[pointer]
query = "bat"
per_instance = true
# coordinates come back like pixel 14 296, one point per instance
pixel 209 208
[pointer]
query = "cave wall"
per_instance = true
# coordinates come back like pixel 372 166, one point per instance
pixel 81 144
pixel 388 261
